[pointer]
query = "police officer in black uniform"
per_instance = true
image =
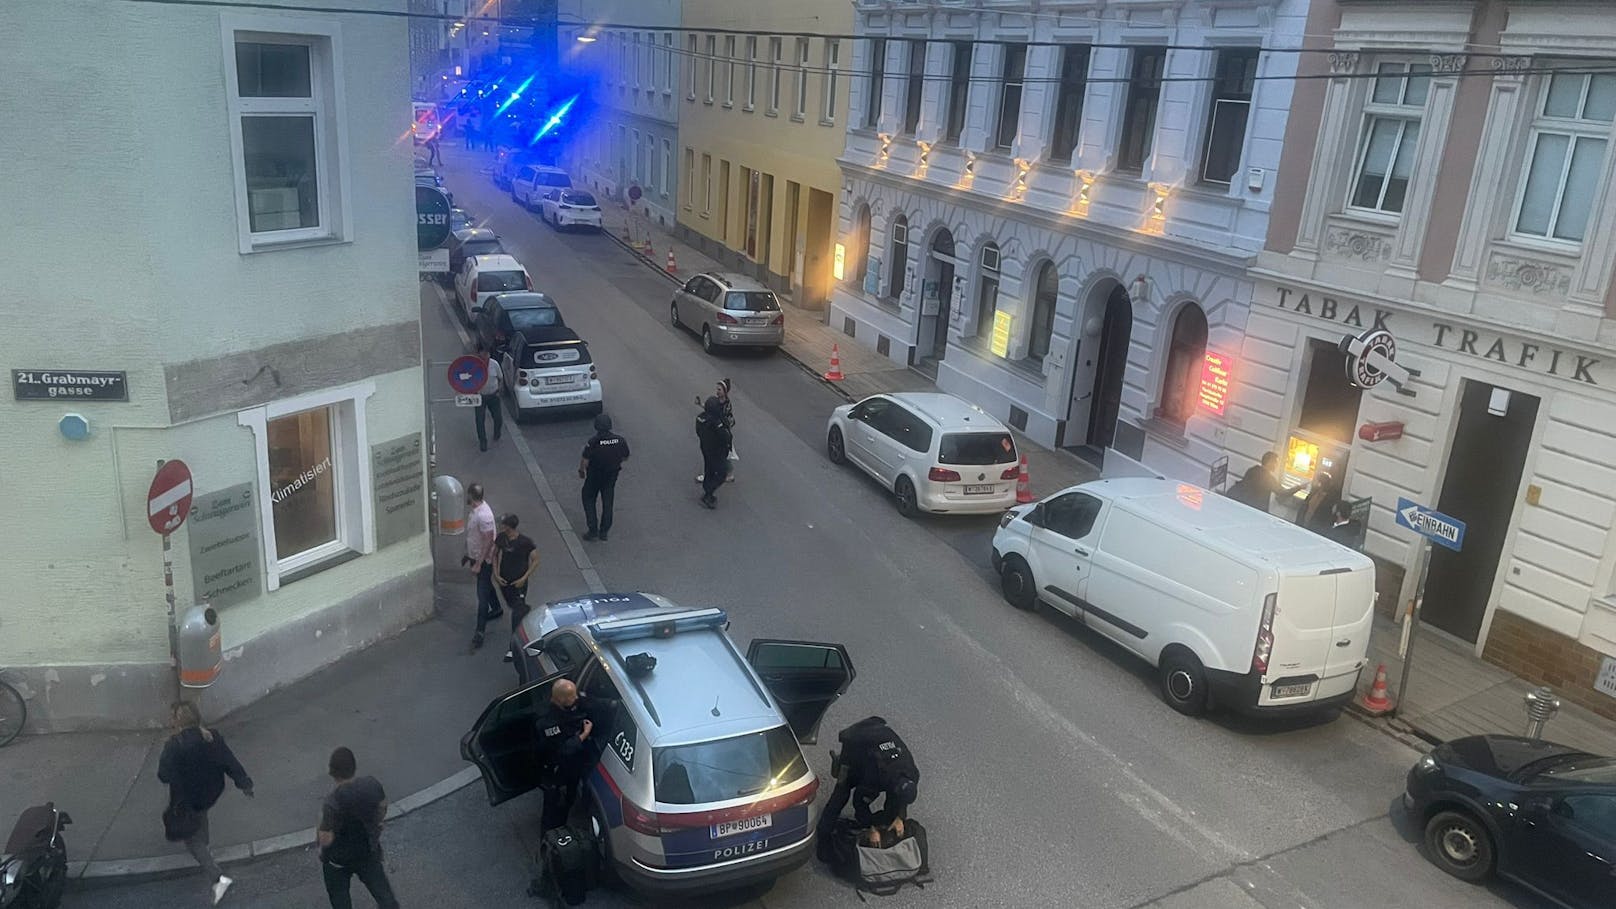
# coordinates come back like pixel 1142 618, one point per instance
pixel 603 457
pixel 873 762
pixel 568 747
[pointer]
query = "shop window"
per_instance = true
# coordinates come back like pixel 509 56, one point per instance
pixel 987 290
pixel 1181 381
pixel 1043 312
pixel 1322 439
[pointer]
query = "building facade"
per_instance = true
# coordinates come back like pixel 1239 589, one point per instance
pixel 1052 208
pixel 1462 200
pixel 761 121
pixel 230 281
pixel 628 132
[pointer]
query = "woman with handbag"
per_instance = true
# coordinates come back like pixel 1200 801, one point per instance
pixel 194 763
pixel 728 409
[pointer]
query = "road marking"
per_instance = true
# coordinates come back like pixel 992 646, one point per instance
pixel 558 516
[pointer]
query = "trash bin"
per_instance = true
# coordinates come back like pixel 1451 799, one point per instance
pixel 201 656
pixel 451 505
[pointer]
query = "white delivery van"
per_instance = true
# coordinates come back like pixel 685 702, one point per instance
pixel 1235 607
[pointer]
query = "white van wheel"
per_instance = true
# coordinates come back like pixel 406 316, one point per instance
pixel 1015 581
pixel 1183 682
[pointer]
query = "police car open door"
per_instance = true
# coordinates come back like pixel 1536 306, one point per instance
pixel 503 743
pixel 804 677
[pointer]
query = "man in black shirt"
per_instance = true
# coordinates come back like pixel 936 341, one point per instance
pixel 350 835
pixel 603 457
pixel 567 749
pixel 515 560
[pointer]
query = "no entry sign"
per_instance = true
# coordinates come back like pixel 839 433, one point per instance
pixel 467 374
pixel 168 501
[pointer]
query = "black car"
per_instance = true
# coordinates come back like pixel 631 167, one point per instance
pixel 472 241
pixel 1541 814
pixel 505 315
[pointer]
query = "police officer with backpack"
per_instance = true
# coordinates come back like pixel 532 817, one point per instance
pixel 874 762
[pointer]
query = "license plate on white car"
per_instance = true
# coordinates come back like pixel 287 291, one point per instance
pixel 974 490
pixel 1291 691
pixel 744 825
pixel 558 380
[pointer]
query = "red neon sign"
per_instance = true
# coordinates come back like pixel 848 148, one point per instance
pixel 1215 369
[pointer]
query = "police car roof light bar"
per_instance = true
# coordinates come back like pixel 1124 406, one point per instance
pixel 658 626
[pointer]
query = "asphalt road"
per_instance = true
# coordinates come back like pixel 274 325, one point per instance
pixel 1053 774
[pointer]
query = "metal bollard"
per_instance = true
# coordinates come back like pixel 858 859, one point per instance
pixel 1541 706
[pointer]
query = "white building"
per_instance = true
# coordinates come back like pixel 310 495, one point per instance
pixel 1053 206
pixel 211 218
pixel 627 130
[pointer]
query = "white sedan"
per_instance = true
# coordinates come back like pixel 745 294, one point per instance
pixel 569 208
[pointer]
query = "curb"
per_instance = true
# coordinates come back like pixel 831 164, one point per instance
pixel 126 871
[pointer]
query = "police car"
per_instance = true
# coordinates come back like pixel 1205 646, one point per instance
pixel 701 784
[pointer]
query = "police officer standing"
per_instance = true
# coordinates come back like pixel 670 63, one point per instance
pixel 873 762
pixel 603 457
pixel 567 747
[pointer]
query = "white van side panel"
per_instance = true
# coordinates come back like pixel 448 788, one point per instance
pixel 1174 590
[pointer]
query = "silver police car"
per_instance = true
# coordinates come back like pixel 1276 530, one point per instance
pixel 701 784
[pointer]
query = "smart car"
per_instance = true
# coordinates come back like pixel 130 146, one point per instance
pixel 547 369
pixel 701 783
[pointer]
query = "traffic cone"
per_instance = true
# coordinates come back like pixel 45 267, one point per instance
pixel 673 267
pixel 835 374
pixel 1023 484
pixel 1376 701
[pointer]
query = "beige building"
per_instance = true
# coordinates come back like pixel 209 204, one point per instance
pixel 761 123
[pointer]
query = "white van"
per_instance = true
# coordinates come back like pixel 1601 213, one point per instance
pixel 1233 606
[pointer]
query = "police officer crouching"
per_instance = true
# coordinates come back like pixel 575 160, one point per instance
pixel 874 762
pixel 567 749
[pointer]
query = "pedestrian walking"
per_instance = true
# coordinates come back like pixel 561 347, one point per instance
pixel 715 439
pixel 722 395
pixel 434 155
pixel 194 764
pixel 479 559
pixel 474 127
pixel 598 467
pixel 350 835
pixel 515 559
pixel 488 397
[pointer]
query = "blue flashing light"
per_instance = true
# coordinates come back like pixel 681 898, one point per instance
pixel 555 119
pixel 514 95
pixel 656 627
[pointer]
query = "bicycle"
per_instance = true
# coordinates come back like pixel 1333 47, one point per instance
pixel 13 713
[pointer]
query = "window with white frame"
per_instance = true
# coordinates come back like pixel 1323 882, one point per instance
pixel 706 185
pixel 287 135
pixel 1013 78
pixel 899 263
pixel 634 153
pixel 987 289
pixel 639 74
pixel 690 64
pixel 690 178
pixel 1391 134
pixel 914 86
pixel 1046 292
pixel 313 479
pixel 802 79
pixel 776 51
pixel 1232 84
pixel 1569 139
pixel 667 153
pixel 959 89
pixel 878 71
pixel 667 62
pixel 751 72
pixel 729 64
pixel 1074 84
pixel 1139 113
pixel 711 62
pixel 833 63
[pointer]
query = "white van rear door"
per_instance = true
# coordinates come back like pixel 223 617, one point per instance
pixel 1304 625
pixel 1354 614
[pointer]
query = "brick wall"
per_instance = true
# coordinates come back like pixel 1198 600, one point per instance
pixel 1543 657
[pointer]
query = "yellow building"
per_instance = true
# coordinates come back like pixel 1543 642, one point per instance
pixel 762 119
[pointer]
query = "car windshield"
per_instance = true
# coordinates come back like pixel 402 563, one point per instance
pixel 1582 768
pixel 547 179
pixel 577 199
pixel 977 448
pixel 533 317
pixel 751 301
pixel 559 355
pixel 496 281
pixel 726 769
pixel 482 248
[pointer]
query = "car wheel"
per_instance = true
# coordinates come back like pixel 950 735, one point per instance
pixel 835 447
pixel 1460 845
pixel 1015 581
pixel 514 197
pixel 673 315
pixel 1183 682
pixel 707 340
pixel 908 502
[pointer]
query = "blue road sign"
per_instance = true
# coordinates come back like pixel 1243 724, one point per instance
pixel 467 374
pixel 1431 524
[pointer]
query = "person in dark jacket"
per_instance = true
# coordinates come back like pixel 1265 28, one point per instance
pixel 194 764
pixel 874 762
pixel 350 834
pixel 567 751
pixel 1257 487
pixel 598 467
pixel 715 439
pixel 721 392
pixel 1318 510
pixel 1343 528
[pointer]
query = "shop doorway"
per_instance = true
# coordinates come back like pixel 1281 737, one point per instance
pixel 1479 488
pixel 816 259
pixel 1103 356
pixel 936 301
pixel 1319 445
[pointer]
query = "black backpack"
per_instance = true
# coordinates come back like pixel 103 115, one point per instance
pixel 566 866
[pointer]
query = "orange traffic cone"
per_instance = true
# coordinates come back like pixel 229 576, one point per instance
pixel 835 373
pixel 1023 484
pixel 1376 701
pixel 673 267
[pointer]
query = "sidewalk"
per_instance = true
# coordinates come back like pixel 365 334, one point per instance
pixel 809 343
pixel 1452 694
pixel 402 705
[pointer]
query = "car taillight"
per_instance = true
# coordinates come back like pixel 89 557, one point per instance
pixel 592 375
pixel 943 475
pixel 779 319
pixel 1265 634
pixel 1014 473
pixel 639 820
pixel 727 319
pixel 523 377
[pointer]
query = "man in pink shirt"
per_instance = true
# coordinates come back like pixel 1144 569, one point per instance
pixel 479 559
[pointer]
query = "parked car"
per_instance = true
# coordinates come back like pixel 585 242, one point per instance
pixel 427 176
pixel 508 162
pixel 933 451
pixel 569 208
pixel 481 276
pixel 460 219
pixel 548 369
pixel 701 783
pixel 503 316
pixel 729 310
pixel 1233 606
pixel 472 241
pixel 1541 814
pixel 534 180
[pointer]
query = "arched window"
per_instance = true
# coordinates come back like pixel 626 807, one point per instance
pixel 987 289
pixel 900 256
pixel 1047 288
pixel 1181 382
pixel 860 242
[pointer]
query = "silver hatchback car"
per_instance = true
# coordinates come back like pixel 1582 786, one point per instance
pixel 700 783
pixel 729 310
